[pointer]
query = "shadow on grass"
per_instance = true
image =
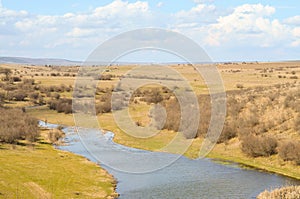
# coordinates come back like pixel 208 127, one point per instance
pixel 21 144
pixel 2 147
pixel 44 142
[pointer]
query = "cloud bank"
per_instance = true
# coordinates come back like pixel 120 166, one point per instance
pixel 74 35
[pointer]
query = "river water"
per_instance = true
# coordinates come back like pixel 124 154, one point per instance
pixel 144 174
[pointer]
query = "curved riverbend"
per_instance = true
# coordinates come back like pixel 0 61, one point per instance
pixel 185 178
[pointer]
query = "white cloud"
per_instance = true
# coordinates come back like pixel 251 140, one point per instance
pixel 84 29
pixel 78 32
pixel 6 13
pixel 159 4
pixel 296 43
pixel 198 16
pixel 121 7
pixel 199 9
pixel 296 32
pixel 203 1
pixel 24 25
pixel 248 24
pixel 295 20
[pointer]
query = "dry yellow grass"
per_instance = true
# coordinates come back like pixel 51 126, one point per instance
pixel 249 74
pixel 292 192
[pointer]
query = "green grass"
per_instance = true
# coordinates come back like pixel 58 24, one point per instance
pixel 44 172
pixel 269 164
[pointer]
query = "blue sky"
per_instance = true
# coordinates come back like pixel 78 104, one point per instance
pixel 234 30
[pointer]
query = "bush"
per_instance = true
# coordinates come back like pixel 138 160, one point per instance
pixel 55 96
pixel 18 96
pixel 229 132
pixel 294 77
pixel 28 81
pixel 16 79
pixel 240 86
pixel 234 107
pixel 173 115
pixel 255 146
pixel 34 95
pixel 292 192
pixel 105 77
pixel 153 96
pixel 103 107
pixel 61 105
pixel 7 72
pixel 55 135
pixel 15 125
pixel 290 151
pixel 205 114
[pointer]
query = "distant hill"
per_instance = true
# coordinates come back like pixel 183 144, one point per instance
pixel 37 61
pixel 65 62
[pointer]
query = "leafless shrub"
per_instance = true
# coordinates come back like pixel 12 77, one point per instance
pixel 292 192
pixel 172 115
pixel 234 107
pixel 240 86
pixel 103 107
pixel 55 135
pixel 18 95
pixel 16 79
pixel 28 81
pixel 152 96
pixel 15 125
pixel 61 105
pixel 229 132
pixel 7 72
pixel 256 146
pixel 294 77
pixel 290 151
pixel 55 95
pixel 205 114
pixel 34 95
pixel 105 77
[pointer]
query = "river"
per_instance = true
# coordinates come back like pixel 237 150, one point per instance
pixel 145 174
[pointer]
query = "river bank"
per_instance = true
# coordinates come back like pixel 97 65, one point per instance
pixel 231 152
pixel 225 152
pixel 145 174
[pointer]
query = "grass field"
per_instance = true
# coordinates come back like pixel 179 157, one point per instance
pixel 246 75
pixel 44 172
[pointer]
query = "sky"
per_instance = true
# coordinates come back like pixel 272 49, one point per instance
pixel 233 30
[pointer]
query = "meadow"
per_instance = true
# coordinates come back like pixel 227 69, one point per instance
pixel 262 127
